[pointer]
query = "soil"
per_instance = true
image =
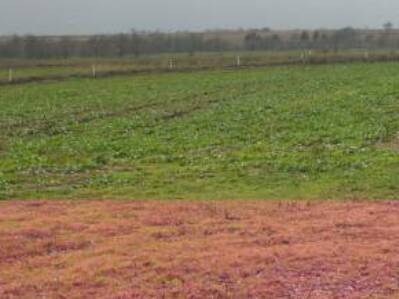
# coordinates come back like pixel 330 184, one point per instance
pixel 223 249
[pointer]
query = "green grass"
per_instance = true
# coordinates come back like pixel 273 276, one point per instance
pixel 320 132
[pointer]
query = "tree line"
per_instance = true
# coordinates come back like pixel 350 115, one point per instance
pixel 139 43
pixel 331 40
pixel 115 45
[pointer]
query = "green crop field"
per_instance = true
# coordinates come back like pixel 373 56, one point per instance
pixel 300 132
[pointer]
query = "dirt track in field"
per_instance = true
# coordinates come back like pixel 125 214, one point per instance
pixel 199 250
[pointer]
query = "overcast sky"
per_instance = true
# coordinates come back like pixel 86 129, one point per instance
pixel 104 16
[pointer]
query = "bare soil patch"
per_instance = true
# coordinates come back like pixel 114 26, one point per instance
pixel 393 144
pixel 219 249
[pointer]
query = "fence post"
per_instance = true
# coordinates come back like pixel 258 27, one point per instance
pixel 304 56
pixel 10 75
pixel 238 61
pixel 171 66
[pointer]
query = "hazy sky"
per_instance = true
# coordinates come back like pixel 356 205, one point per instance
pixel 103 16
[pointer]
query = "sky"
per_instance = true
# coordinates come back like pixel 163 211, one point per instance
pixel 110 16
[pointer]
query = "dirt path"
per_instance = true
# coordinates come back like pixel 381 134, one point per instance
pixel 199 250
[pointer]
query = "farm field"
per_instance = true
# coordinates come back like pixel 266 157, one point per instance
pixel 25 70
pixel 299 132
pixel 274 182
pixel 40 69
pixel 237 249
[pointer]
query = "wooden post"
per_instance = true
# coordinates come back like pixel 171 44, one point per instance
pixel 303 59
pixel 238 61
pixel 366 55
pixel 171 66
pixel 10 75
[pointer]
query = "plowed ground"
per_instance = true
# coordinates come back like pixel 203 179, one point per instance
pixel 199 249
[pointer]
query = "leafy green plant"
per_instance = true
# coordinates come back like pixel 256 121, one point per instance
pixel 289 132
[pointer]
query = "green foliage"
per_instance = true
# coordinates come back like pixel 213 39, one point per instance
pixel 3 186
pixel 293 132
